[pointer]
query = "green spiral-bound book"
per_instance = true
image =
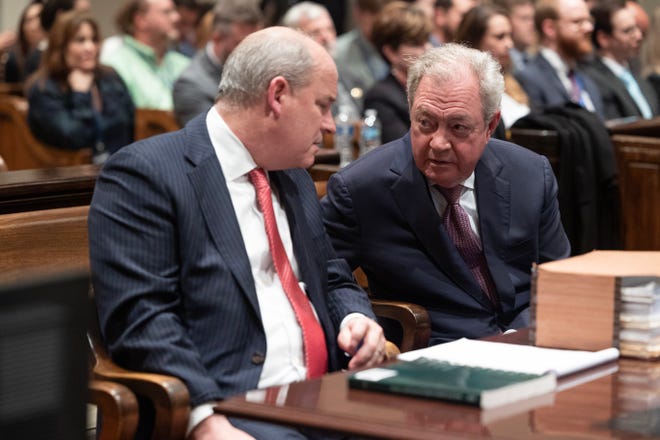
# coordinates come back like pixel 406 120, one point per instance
pixel 423 377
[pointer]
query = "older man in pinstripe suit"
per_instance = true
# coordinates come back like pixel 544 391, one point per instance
pixel 182 270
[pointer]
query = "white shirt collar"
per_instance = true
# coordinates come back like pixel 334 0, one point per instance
pixel 236 159
pixel 617 68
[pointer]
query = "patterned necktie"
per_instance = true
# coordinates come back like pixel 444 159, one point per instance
pixel 457 223
pixel 636 94
pixel 576 90
pixel 316 352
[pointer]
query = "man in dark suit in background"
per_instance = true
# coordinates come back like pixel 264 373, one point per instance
pixel 181 253
pixel 553 77
pixel 195 90
pixel 618 39
pixel 467 261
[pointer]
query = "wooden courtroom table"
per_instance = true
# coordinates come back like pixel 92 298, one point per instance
pixel 621 404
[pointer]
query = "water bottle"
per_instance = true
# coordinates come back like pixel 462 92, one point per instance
pixel 344 135
pixel 370 131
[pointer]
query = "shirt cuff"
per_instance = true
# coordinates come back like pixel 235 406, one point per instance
pixel 198 415
pixel 348 318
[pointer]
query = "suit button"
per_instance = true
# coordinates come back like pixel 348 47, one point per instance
pixel 258 358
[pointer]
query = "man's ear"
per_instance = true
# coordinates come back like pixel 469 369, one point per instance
pixel 492 125
pixel 549 27
pixel 277 90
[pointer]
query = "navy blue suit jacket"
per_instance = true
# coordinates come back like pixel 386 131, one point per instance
pixel 545 89
pixel 617 101
pixel 174 289
pixel 380 216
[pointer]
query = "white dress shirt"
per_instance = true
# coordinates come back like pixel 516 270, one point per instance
pixel 284 362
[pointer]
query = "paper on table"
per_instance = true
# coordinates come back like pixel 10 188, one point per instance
pixel 513 357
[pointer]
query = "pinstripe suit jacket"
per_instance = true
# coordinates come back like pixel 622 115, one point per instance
pixel 172 279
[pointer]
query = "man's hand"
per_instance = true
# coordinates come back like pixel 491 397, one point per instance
pixel 363 339
pixel 217 427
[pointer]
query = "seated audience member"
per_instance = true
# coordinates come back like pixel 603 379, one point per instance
pixel 73 101
pixel 191 13
pixel 314 20
pixel 651 53
pixel 49 12
pixel 447 217
pixel 553 77
pixel 488 28
pixel 197 87
pixel 401 34
pixel 617 40
pixel 183 228
pixel 446 18
pixel 356 57
pixel 145 60
pixel 29 35
pixel 523 34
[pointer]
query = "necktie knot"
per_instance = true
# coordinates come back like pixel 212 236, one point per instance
pixel 451 195
pixel 258 178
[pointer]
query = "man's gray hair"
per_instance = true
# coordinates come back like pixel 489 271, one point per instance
pixel 227 12
pixel 451 62
pixel 302 10
pixel 258 59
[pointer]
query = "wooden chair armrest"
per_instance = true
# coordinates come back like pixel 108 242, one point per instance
pixel 168 394
pixel 413 318
pixel 118 408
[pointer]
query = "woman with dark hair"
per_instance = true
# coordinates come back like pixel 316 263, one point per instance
pixel 488 28
pixel 74 102
pixel 401 34
pixel 29 35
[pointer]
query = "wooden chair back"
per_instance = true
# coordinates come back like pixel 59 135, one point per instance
pixel 543 142
pixel 47 188
pixel 639 127
pixel 638 160
pixel 21 150
pixel 53 240
pixel 150 122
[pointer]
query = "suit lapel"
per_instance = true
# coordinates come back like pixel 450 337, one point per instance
pixel 410 192
pixel 216 207
pixel 493 193
pixel 551 78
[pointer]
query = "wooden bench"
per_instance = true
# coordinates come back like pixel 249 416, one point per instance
pixel 21 150
pixel 639 127
pixel 150 122
pixel 54 240
pixel 47 188
pixel 543 142
pixel 639 182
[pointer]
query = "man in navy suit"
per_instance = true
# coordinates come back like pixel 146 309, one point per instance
pixel 618 39
pixel 553 77
pixel 182 269
pixel 387 212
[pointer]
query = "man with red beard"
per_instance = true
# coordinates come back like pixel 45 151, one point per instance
pixel 617 39
pixel 553 77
